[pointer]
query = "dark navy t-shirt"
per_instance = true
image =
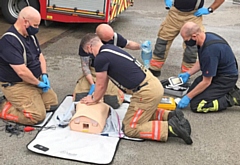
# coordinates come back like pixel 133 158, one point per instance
pixel 121 42
pixel 11 52
pixel 187 5
pixel 122 70
pixel 217 59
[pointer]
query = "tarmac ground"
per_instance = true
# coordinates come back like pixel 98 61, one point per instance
pixel 215 135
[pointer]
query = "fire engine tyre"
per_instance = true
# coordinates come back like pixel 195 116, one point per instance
pixel 11 8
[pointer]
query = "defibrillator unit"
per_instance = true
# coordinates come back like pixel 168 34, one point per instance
pixel 167 103
pixel 177 89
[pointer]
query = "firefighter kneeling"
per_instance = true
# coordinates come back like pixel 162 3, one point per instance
pixel 23 77
pixel 143 119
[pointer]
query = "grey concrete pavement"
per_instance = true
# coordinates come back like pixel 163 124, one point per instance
pixel 215 135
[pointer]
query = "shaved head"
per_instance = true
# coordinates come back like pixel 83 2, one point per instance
pixel 191 32
pixel 189 28
pixel 29 13
pixel 91 43
pixel 89 38
pixel 105 32
pixel 28 16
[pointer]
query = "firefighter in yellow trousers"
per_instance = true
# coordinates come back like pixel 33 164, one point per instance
pixel 143 119
pixel 86 83
pixel 23 74
pixel 179 13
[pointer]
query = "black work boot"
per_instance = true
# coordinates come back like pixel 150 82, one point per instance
pixel 112 101
pixel 179 114
pixel 79 96
pixel 53 108
pixel 155 73
pixel 233 96
pixel 2 101
pixel 176 129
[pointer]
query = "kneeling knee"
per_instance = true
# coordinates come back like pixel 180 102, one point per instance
pixel 38 118
pixel 128 131
pixel 193 108
pixel 112 101
pixel 79 96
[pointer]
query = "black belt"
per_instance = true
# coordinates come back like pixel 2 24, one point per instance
pixel 139 87
pixel 225 75
pixel 8 84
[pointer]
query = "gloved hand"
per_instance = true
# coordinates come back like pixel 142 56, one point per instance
pixel 146 45
pixel 45 79
pixel 183 103
pixel 201 11
pixel 92 89
pixel 168 3
pixel 185 76
pixel 44 86
pixel 45 90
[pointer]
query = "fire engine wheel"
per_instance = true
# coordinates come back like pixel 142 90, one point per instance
pixel 47 23
pixel 11 8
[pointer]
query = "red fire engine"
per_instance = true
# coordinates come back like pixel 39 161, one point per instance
pixel 68 11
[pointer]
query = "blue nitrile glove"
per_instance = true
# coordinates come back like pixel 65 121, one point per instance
pixel 44 86
pixel 168 3
pixel 45 79
pixel 45 90
pixel 146 45
pixel 185 76
pixel 183 103
pixel 202 11
pixel 92 89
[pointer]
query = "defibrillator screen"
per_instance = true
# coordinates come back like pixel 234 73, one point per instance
pixel 175 81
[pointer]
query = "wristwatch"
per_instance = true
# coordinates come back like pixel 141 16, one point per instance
pixel 210 10
pixel 45 74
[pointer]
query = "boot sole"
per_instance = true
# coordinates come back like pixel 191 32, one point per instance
pixel 187 139
pixel 179 114
pixel 235 93
pixel 181 131
pixel 155 73
pixel 183 121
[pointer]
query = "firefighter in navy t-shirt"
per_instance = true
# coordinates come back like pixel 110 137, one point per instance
pixel 86 84
pixel 215 89
pixel 143 119
pixel 23 74
pixel 180 11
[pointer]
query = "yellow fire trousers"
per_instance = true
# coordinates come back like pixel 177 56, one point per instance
pixel 26 103
pixel 143 119
pixel 169 30
pixel 113 96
